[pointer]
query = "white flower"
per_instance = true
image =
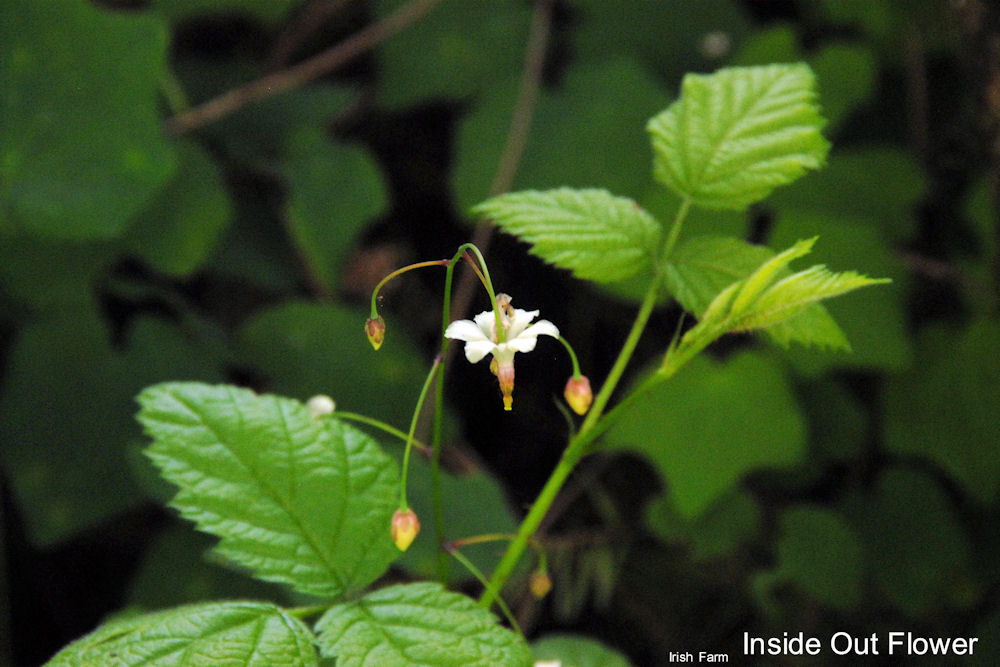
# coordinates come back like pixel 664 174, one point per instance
pixel 519 335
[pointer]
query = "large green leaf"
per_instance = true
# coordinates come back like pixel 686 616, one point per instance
pixel 334 189
pixel 181 225
pixel 599 109
pixel 456 51
pixel 920 553
pixel 234 634
pixel 68 413
pixel 820 553
pixel 945 408
pixel 592 233
pixel 81 149
pixel 418 624
pixel 304 349
pixel 735 135
pixel 299 501
pixel 711 424
pixel 575 651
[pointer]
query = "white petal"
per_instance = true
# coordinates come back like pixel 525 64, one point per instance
pixel 465 330
pixel 487 322
pixel 520 344
pixel 541 328
pixel 477 349
pixel 520 320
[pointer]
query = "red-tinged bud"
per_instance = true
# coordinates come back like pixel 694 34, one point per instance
pixel 540 584
pixel 505 374
pixel 375 328
pixel 405 527
pixel 578 394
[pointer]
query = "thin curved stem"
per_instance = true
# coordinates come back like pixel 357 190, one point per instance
pixel 303 72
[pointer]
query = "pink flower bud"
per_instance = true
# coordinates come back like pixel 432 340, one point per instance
pixel 375 328
pixel 578 394
pixel 405 527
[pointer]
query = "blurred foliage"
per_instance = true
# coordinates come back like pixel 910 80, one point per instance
pixel 833 487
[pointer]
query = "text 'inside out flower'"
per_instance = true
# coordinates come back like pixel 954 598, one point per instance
pixel 517 334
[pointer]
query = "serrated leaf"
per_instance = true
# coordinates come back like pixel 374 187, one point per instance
pixel 704 267
pixel 789 295
pixel 735 135
pixel 712 423
pixel 299 501
pixel 576 651
pixel 764 276
pixel 213 634
pixel 591 232
pixel 417 624
pixel 81 148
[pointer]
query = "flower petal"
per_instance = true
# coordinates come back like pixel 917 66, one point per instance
pixel 487 323
pixel 520 320
pixel 465 330
pixel 477 349
pixel 541 328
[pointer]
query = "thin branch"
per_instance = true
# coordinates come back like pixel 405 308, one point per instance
pixel 517 137
pixel 303 26
pixel 303 72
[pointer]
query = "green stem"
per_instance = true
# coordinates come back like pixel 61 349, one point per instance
pixel 478 574
pixel 572 356
pixel 398 272
pixel 413 427
pixel 382 426
pixel 592 426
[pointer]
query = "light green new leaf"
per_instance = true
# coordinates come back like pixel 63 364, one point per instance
pixel 735 135
pixel 591 232
pixel 303 502
pixel 576 651
pixel 789 295
pixel 237 634
pixel 703 267
pixel 418 624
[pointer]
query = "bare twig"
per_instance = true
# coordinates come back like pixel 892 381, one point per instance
pixel 308 20
pixel 517 138
pixel 301 73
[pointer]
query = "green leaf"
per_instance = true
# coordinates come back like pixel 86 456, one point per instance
pixel 213 634
pixel 334 189
pixel 731 520
pixel 609 102
pixel 68 413
pixel 711 424
pixel 592 233
pixel 575 651
pixel 298 501
pixel 306 348
pixel 181 225
pixel 945 408
pixel 819 551
pixel 921 553
pixel 703 267
pixel 82 148
pixel 417 624
pixel 737 134
pixel 874 323
pixel 456 51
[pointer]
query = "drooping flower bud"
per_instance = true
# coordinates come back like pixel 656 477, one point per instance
pixel 375 329
pixel 540 584
pixel 405 527
pixel 320 406
pixel 505 374
pixel 578 394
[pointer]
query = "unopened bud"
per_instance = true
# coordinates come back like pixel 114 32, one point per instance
pixel 405 527
pixel 375 329
pixel 578 394
pixel 505 374
pixel 540 584
pixel 320 406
